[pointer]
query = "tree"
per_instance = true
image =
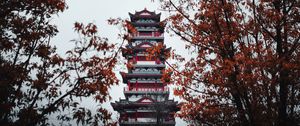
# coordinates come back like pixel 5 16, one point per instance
pixel 37 83
pixel 246 69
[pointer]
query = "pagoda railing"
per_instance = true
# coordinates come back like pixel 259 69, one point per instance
pixel 155 65
pixel 146 90
pixel 145 81
pixel 134 121
pixel 145 36
pixel 146 29
pixel 146 72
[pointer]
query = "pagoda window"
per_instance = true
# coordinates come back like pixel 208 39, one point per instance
pixel 150 21
pixel 157 34
pixel 144 58
pixel 131 120
pixel 145 20
pixel 140 58
pixel 147 28
pixel 141 21
pixel 145 34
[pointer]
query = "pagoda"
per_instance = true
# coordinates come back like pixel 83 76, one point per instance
pixel 146 100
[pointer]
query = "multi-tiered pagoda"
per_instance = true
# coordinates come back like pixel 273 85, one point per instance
pixel 146 100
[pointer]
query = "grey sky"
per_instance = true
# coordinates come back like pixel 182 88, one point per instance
pixel 98 11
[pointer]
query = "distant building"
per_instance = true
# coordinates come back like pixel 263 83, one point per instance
pixel 147 97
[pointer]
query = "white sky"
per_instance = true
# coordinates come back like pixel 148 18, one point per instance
pixel 97 12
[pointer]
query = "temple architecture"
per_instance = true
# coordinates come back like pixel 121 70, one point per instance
pixel 146 100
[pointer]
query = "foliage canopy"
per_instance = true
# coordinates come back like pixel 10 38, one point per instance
pixel 37 83
pixel 247 65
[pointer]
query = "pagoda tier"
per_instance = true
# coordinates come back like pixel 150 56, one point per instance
pixel 143 76
pixel 125 104
pixel 146 100
pixel 158 66
pixel 143 15
pixel 142 26
pixel 134 51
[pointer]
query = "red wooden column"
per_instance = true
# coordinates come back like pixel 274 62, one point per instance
pixel 136 115
pixel 136 85
pixel 129 85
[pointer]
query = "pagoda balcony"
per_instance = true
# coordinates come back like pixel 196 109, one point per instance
pixel 148 36
pixel 164 90
pixel 146 24
pixel 146 29
pixel 128 76
pixel 150 66
pixel 149 123
pixel 130 106
pixel 145 72
pixel 145 81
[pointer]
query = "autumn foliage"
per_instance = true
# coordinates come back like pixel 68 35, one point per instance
pixel 246 69
pixel 36 83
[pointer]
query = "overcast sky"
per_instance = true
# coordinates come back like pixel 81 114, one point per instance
pixel 97 12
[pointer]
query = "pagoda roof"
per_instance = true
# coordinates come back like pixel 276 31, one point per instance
pixel 144 14
pixel 147 37
pixel 142 45
pixel 127 76
pixel 145 81
pixel 130 50
pixel 136 123
pixel 144 102
pixel 149 66
pixel 160 25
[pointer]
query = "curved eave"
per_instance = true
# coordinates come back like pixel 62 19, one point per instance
pixel 133 39
pixel 126 76
pixel 146 92
pixel 120 106
pixel 161 66
pixel 139 48
pixel 145 11
pixel 164 123
pixel 136 16
pixel 145 82
pixel 146 37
